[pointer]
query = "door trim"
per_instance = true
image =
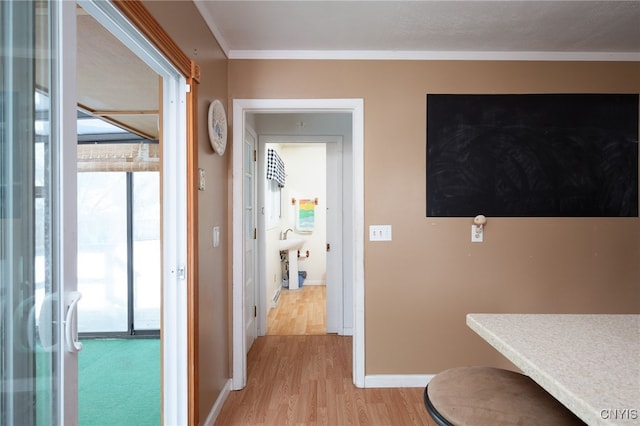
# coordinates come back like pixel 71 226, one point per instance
pixel 65 214
pixel 356 257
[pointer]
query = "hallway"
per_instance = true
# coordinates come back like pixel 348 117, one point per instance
pixel 306 380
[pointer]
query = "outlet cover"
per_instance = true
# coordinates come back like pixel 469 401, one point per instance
pixel 476 234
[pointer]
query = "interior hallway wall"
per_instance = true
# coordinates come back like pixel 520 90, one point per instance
pixel 420 286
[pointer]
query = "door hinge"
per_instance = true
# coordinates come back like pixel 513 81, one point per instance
pixel 255 311
pixel 255 155
pixel 255 233
pixel 328 247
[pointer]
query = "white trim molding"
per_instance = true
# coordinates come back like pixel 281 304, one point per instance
pixel 239 364
pixel 356 108
pixel 397 380
pixel 210 21
pixel 217 406
pixel 415 55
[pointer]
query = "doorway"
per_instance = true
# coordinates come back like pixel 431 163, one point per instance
pixel 38 113
pixel 353 223
pixel 118 186
pixel 171 118
pixel 313 168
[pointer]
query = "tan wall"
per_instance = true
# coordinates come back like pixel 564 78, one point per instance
pixel 186 27
pixel 420 286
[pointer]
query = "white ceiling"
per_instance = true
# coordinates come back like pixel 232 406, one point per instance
pixel 449 29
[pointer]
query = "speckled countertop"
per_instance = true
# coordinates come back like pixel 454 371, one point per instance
pixel 590 363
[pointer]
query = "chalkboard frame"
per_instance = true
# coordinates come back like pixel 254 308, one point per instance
pixel 532 155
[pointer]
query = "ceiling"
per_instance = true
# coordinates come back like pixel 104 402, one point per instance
pixel 451 29
pixel 115 85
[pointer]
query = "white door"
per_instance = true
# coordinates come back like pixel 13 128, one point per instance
pixel 250 240
pixel 334 284
pixel 38 334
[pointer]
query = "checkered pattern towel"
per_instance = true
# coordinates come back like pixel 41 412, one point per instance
pixel 275 167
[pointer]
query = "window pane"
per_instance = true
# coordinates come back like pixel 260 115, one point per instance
pixel 102 251
pixel 29 378
pixel 146 250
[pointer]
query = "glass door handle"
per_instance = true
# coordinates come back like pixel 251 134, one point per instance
pixel 45 323
pixel 70 326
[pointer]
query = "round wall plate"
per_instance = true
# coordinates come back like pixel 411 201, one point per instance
pixel 217 124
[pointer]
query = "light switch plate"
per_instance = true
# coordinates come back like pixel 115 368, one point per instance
pixel 379 232
pixel 216 236
pixel 202 180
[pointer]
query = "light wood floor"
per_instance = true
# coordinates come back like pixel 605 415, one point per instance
pixel 299 312
pixel 307 380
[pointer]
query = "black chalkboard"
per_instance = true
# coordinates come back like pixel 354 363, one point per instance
pixel 533 155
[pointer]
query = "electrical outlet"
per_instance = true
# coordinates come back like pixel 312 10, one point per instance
pixel 477 234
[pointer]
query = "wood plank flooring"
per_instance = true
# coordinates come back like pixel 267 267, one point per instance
pixel 299 312
pixel 307 380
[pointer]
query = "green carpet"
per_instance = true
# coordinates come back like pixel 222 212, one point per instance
pixel 119 382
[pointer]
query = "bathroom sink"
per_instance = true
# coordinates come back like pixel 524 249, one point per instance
pixel 291 244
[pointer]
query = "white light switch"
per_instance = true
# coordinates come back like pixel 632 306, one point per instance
pixel 379 232
pixel 202 180
pixel 216 236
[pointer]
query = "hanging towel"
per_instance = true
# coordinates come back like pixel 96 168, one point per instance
pixel 275 167
pixel 306 215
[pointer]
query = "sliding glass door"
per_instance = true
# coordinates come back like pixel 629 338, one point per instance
pixel 119 253
pixel 102 252
pixel 146 277
pixel 38 346
pixel 17 212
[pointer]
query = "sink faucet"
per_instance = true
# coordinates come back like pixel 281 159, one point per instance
pixel 286 232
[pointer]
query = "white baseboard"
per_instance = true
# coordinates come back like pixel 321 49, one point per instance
pixel 397 381
pixel 217 407
pixel 313 282
pixel 347 331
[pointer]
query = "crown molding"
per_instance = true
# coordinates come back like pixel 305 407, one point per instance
pixel 405 55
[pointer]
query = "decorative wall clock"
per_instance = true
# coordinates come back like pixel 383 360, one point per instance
pixel 217 124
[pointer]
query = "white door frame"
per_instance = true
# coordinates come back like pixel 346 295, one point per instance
pixel 67 211
pixel 240 108
pixel 174 207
